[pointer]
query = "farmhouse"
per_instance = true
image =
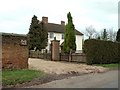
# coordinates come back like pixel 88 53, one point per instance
pixel 57 30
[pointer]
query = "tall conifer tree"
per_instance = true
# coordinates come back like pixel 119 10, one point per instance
pixel 70 35
pixel 37 35
pixel 104 35
pixel 118 36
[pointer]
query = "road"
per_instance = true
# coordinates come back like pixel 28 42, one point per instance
pixel 95 80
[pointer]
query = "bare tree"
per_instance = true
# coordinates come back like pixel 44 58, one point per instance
pixel 90 32
pixel 114 36
pixel 97 35
pixel 111 34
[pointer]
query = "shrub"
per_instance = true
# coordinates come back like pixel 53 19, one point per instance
pixel 101 52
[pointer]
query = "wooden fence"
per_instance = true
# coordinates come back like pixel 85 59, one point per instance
pixel 38 54
pixel 75 57
pixel 64 57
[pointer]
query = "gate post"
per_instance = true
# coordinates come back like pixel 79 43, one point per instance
pixel 55 50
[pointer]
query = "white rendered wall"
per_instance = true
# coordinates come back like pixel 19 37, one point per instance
pixel 59 37
pixel 79 39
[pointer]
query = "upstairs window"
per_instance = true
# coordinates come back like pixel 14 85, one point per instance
pixel 51 35
pixel 62 35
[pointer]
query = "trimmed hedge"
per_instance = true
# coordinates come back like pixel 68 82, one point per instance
pixel 102 52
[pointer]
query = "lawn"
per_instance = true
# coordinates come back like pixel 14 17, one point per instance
pixel 13 77
pixel 111 66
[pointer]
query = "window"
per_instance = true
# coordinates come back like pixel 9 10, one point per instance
pixel 51 35
pixel 62 36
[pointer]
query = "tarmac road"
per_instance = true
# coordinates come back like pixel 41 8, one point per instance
pixel 94 80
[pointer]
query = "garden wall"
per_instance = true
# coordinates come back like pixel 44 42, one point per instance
pixel 14 51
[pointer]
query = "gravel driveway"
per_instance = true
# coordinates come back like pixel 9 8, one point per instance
pixel 58 67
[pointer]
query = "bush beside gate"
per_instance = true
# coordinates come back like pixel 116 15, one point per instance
pixel 101 52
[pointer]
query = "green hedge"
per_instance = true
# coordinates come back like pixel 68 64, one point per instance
pixel 102 52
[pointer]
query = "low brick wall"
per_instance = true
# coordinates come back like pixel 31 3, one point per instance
pixel 14 51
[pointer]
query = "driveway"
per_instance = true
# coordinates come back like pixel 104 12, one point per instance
pixel 94 80
pixel 57 67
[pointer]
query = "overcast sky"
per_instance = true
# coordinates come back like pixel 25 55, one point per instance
pixel 15 15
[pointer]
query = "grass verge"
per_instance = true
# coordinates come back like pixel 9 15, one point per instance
pixel 13 77
pixel 110 66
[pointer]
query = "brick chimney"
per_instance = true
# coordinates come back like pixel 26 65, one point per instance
pixel 62 22
pixel 45 19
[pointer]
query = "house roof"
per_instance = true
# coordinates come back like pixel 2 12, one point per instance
pixel 58 28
